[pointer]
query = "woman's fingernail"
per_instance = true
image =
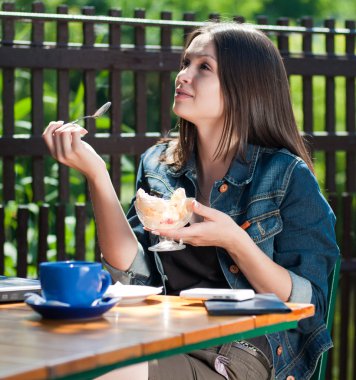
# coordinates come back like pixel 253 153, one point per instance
pixel 196 203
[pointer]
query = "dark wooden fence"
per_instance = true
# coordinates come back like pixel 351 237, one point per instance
pixel 321 64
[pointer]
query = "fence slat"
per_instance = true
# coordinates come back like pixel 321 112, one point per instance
pixel 63 100
pixel 350 112
pixel 80 218
pixel 140 80
pixel 37 110
pixel 89 75
pixel 103 145
pixel 282 38
pixel 140 85
pixel 165 79
pixel 146 60
pixel 8 30
pixel 43 230
pixel 307 22
pixel 115 76
pixel 330 164
pixel 8 101
pixel 89 79
pixel 2 240
pixel 116 99
pixel 60 213
pixel 137 144
pixel 23 214
pixel 97 250
pixel 187 16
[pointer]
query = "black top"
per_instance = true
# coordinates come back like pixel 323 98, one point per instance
pixel 193 267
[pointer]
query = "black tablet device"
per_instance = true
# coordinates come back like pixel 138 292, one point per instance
pixel 260 304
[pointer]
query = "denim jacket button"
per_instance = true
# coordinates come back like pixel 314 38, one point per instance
pixel 234 269
pixel 290 378
pixel 279 350
pixel 223 188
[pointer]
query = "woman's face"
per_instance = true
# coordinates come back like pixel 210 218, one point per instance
pixel 198 97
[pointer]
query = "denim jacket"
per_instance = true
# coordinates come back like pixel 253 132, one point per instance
pixel 290 221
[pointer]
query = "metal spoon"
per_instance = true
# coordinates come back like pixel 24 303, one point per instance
pixel 97 113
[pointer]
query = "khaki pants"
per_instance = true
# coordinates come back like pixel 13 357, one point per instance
pixel 216 363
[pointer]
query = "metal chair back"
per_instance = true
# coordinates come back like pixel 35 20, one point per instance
pixel 319 374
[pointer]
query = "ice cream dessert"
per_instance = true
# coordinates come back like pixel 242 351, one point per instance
pixel 159 213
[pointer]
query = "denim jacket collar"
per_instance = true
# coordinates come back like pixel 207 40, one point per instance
pixel 240 172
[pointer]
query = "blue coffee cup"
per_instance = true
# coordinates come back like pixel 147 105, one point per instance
pixel 77 283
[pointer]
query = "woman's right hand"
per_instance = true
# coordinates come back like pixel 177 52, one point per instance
pixel 66 146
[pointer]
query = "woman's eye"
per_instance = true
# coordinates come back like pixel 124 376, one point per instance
pixel 184 63
pixel 204 66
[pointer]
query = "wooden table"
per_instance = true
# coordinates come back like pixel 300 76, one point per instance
pixel 34 348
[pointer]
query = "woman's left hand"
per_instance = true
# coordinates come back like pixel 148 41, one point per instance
pixel 217 229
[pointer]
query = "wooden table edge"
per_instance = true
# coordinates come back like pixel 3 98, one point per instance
pixel 300 310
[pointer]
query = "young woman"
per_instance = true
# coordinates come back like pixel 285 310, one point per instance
pixel 239 154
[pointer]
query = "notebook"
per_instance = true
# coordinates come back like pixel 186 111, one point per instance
pixel 13 289
pixel 260 304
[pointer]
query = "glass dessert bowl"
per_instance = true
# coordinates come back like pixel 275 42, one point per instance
pixel 164 214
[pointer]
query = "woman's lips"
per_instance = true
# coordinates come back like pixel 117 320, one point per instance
pixel 181 94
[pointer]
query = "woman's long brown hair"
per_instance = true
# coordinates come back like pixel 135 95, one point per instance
pixel 257 102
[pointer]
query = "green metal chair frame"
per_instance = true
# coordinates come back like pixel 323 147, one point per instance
pixel 319 373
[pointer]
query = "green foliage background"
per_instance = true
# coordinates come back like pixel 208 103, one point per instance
pixel 319 9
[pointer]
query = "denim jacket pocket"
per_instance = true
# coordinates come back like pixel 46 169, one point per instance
pixel 264 226
pixel 160 185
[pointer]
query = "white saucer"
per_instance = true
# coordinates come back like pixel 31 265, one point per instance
pixel 131 294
